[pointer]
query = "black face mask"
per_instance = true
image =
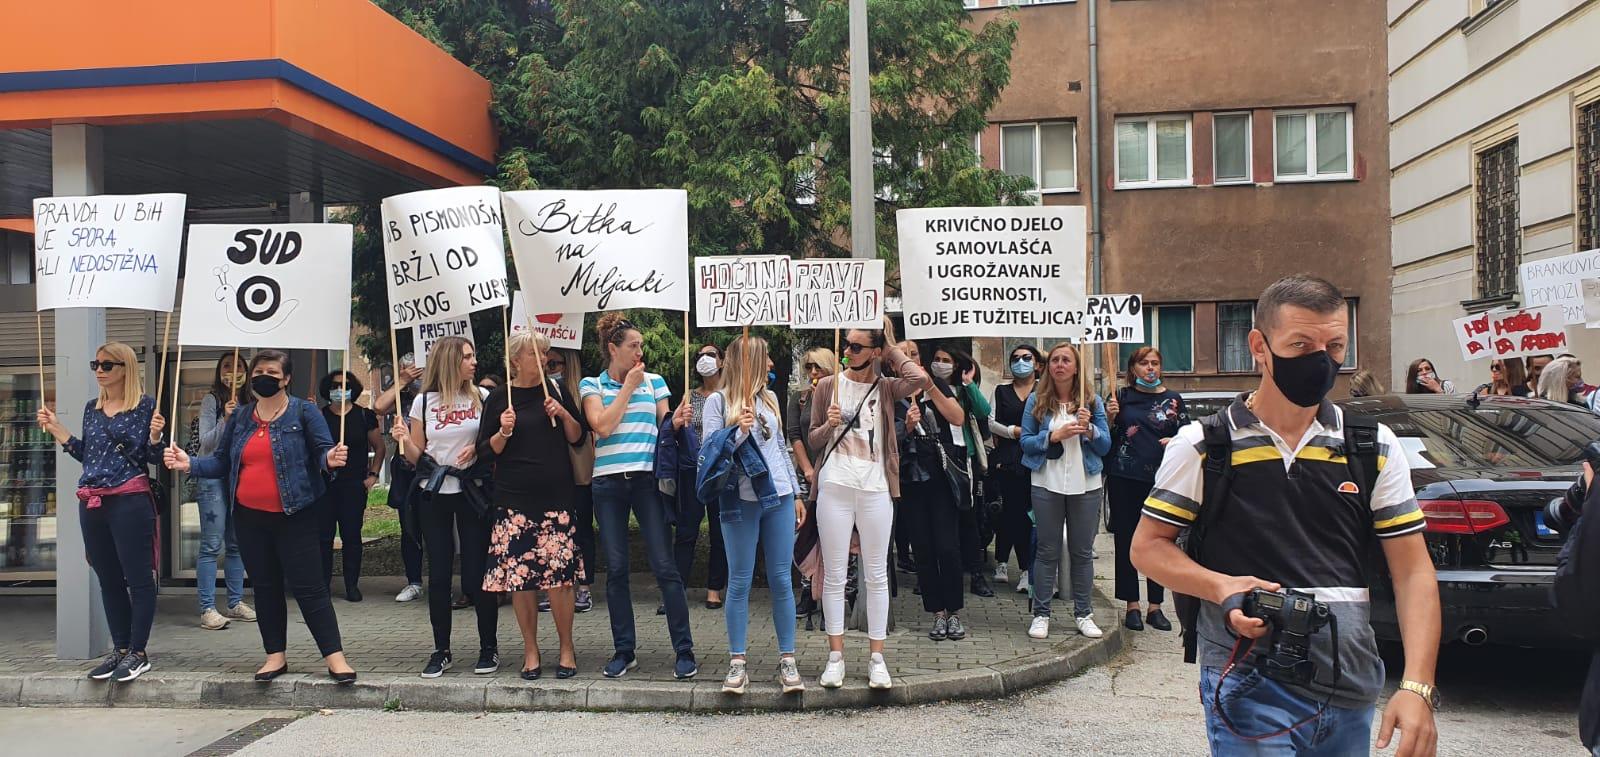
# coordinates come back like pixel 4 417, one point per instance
pixel 265 386
pixel 1304 380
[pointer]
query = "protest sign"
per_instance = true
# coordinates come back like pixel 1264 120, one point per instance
pixel 112 251
pixel 742 290
pixel 564 330
pixel 1557 281
pixel 281 286
pixel 992 271
pixel 837 294
pixel 1591 303
pixel 583 251
pixel 1511 333
pixel 444 254
pixel 425 335
pixel 1114 318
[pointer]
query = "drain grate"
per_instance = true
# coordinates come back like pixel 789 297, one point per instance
pixel 242 738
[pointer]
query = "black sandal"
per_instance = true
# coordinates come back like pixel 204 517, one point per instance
pixel 267 675
pixel 343 679
pixel 534 674
pixel 565 672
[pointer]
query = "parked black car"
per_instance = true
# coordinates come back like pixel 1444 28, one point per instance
pixel 1484 471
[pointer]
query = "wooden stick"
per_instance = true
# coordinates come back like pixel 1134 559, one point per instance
pixel 838 374
pixel 312 391
pixel 172 436
pixel 344 403
pixel 161 373
pixel 686 354
pixel 542 379
pixel 394 355
pixel 38 322
pixel 1083 376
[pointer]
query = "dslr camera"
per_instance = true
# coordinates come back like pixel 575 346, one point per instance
pixel 1563 511
pixel 1293 615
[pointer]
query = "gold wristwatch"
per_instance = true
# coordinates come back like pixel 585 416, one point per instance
pixel 1428 693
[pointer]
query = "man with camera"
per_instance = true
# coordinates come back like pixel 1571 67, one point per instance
pixel 1280 514
pixel 1577 585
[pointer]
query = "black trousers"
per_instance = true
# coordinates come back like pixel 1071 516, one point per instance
pixel 936 531
pixel 690 512
pixel 439 514
pixel 402 480
pixel 342 509
pixel 283 550
pixel 1126 498
pixel 903 549
pixel 583 526
pixel 1014 532
pixel 119 539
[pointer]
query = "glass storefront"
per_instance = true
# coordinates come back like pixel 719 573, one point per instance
pixel 27 483
pixel 194 381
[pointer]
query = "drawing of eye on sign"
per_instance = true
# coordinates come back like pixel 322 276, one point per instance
pixel 282 286
pixel 115 251
pixel 1511 333
pixel 444 254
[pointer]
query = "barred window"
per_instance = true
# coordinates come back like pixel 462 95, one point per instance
pixel 1499 220
pixel 1589 176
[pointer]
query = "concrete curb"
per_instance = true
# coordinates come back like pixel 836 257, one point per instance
pixel 1057 662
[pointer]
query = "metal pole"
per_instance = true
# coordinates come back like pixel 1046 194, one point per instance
pixel 1095 232
pixel 863 232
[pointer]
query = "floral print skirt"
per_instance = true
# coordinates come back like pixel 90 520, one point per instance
pixel 529 552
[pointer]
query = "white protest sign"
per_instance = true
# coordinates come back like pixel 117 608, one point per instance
pixel 564 330
pixel 280 286
pixel 1557 281
pixel 1511 333
pixel 111 251
pixel 1114 318
pixel 583 251
pixel 742 290
pixel 837 294
pixel 1591 303
pixel 425 335
pixel 992 271
pixel 444 254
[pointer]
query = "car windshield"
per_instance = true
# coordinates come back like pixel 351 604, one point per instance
pixel 1493 436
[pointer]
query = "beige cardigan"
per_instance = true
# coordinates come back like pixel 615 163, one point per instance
pixel 909 379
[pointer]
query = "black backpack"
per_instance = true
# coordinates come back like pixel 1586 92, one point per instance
pixel 1361 453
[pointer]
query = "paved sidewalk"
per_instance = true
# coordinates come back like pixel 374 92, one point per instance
pixel 388 642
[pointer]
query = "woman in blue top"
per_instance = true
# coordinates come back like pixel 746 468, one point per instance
pixel 744 401
pixel 216 518
pixel 1144 416
pixel 1062 443
pixel 121 436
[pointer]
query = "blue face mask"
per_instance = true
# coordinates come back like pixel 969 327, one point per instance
pixel 339 395
pixel 1148 383
pixel 772 378
pixel 1022 368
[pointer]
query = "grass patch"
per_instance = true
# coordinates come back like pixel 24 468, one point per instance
pixel 381 519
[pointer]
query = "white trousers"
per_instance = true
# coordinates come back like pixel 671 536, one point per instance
pixel 841 510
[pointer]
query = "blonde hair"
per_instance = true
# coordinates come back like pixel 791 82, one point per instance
pixel 1364 384
pixel 522 340
pixel 443 374
pixel 132 385
pixel 1046 401
pixel 744 367
pixel 823 357
pixel 1556 381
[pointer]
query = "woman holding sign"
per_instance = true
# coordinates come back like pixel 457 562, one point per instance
pixel 441 441
pixel 121 437
pixel 1145 415
pixel 533 543
pixel 275 453
pixel 347 493
pixel 625 406
pixel 858 475
pixel 216 517
pixel 1062 443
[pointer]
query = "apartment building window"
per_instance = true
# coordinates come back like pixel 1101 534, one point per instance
pixel 1313 145
pixel 1499 221
pixel 1235 320
pixel 1170 329
pixel 1230 147
pixel 1154 151
pixel 1045 153
pixel 1589 176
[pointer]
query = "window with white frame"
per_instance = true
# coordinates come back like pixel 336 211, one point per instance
pixel 1045 153
pixel 1154 151
pixel 1313 144
pixel 1230 148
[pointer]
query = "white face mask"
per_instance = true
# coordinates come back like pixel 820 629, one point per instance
pixel 706 366
pixel 943 370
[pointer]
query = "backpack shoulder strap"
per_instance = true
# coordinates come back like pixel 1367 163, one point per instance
pixel 1218 471
pixel 1361 451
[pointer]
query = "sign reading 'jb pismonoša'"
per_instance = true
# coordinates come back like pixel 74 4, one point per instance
pixel 1015 271
pixel 444 254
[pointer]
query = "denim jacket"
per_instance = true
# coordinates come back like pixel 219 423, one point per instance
pixel 300 444
pixel 1036 439
pixel 720 454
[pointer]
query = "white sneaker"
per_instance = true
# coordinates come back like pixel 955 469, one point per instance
pixel 789 676
pixel 411 592
pixel 878 673
pixel 1000 574
pixel 736 679
pixel 1039 628
pixel 1022 584
pixel 1087 627
pixel 211 620
pixel 833 674
pixel 240 611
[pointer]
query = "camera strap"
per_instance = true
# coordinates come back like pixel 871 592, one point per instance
pixel 1233 662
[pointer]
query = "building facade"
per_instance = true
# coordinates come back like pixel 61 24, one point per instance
pixel 1494 145
pixel 1238 141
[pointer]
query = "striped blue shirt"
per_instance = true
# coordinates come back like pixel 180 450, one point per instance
pixel 631 446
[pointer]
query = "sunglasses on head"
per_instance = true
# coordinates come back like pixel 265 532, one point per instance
pixel 106 366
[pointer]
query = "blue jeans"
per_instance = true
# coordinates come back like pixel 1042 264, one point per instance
pixel 216 532
pixel 1257 705
pixel 614 496
pixel 774 528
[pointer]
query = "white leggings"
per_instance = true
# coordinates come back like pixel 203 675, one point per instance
pixel 840 510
